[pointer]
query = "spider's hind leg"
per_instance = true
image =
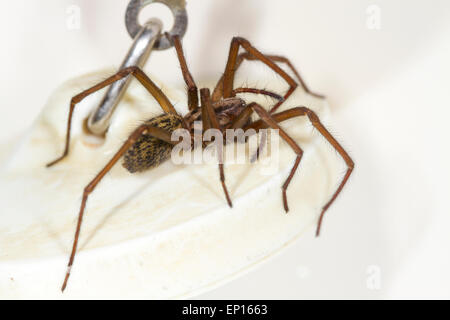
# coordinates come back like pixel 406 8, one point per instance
pixel 151 87
pixel 188 79
pixel 143 129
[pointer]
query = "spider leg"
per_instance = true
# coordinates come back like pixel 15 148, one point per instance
pixel 231 66
pixel 240 122
pixel 209 112
pixel 267 119
pixel 192 87
pixel 286 61
pixel 258 91
pixel 303 111
pixel 225 86
pixel 242 118
pixel 160 97
pixel 142 130
pixel 218 91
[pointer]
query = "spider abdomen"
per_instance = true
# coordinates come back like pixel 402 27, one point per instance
pixel 149 152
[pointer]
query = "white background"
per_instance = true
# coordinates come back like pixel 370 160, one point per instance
pixel 388 234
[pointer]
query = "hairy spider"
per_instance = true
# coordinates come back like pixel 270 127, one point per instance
pixel 150 144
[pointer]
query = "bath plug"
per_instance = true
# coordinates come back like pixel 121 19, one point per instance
pixel 164 233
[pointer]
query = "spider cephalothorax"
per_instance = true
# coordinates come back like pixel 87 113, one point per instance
pixel 226 111
pixel 150 144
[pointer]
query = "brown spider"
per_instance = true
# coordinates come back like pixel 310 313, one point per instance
pixel 150 144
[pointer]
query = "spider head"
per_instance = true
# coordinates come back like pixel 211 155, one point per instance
pixel 226 111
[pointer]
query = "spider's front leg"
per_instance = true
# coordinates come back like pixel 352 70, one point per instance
pixel 151 87
pixel 144 129
pixel 210 119
pixel 230 68
pixel 224 87
pixel 270 122
pixel 289 64
pixel 314 119
pixel 218 91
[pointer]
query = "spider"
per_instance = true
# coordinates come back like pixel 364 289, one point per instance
pixel 150 144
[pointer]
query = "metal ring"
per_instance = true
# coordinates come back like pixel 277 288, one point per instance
pixel 178 8
pixel 138 54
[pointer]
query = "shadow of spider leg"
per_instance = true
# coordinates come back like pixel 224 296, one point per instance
pixel 144 129
pixel 314 119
